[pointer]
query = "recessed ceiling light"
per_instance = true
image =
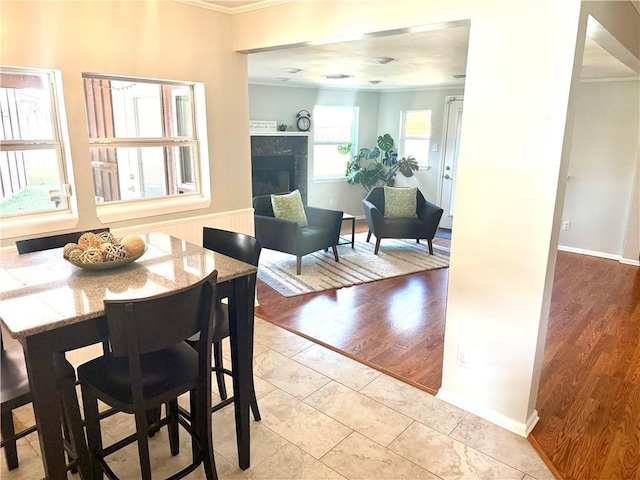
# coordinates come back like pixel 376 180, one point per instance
pixel 337 76
pixel 283 79
pixel 383 60
pixel 458 76
pixel 375 82
pixel 293 71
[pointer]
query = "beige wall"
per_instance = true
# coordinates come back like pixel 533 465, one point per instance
pixel 522 64
pixel 603 166
pixel 164 40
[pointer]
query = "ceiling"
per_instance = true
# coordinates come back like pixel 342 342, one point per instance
pixel 422 58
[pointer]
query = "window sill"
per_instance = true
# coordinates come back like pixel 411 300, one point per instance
pixel 45 223
pixel 329 179
pixel 150 208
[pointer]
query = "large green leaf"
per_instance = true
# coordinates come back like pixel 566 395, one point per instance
pixel 345 149
pixel 407 166
pixel 373 153
pixel 385 142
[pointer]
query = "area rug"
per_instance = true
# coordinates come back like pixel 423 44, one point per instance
pixel 357 265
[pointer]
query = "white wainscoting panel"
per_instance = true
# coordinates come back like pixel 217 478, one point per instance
pixel 190 229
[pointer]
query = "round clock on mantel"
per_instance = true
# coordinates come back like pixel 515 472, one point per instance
pixel 303 121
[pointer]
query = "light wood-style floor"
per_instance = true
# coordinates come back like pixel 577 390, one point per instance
pixel 589 394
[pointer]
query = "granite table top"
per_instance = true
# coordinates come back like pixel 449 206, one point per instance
pixel 42 291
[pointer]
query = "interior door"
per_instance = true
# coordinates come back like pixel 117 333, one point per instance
pixel 451 143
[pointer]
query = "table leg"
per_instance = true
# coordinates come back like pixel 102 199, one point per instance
pixel 42 379
pixel 241 338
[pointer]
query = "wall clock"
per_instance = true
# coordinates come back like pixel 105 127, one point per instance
pixel 303 121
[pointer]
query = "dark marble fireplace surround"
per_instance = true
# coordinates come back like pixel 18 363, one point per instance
pixel 274 152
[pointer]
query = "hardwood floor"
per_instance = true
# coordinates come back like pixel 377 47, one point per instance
pixel 395 325
pixel 589 395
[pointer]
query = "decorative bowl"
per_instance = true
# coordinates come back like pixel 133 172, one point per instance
pixel 107 265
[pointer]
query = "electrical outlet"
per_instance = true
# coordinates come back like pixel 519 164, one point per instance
pixel 566 225
pixel 331 204
pixel 464 357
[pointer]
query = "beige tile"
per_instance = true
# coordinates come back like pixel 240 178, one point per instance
pixel 262 387
pixel 353 374
pixel 359 412
pixel 228 471
pixel 358 457
pixel 279 339
pixel 258 348
pixel 30 463
pixel 264 442
pixel 288 375
pixel 304 426
pixel 292 463
pixel 503 445
pixel 414 403
pixel 448 458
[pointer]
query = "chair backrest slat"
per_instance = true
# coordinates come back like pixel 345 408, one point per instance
pixel 53 241
pixel 163 320
pixel 232 244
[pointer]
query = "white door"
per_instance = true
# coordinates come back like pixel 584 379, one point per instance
pixel 449 168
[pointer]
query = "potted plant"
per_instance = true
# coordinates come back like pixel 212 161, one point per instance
pixel 377 166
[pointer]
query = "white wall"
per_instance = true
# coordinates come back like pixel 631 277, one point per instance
pixel 392 103
pixel 519 77
pixel 604 156
pixel 379 113
pixel 282 104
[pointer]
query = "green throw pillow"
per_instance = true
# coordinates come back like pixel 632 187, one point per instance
pixel 400 202
pixel 289 207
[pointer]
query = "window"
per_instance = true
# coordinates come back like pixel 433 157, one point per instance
pixel 142 138
pixel 32 153
pixel 414 137
pixel 333 126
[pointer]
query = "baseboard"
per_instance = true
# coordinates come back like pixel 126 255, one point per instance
pixel 593 253
pixel 629 261
pixel 519 428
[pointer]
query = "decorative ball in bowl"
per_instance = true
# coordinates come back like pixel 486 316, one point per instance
pixel 102 251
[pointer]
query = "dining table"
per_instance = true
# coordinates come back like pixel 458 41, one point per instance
pixel 50 305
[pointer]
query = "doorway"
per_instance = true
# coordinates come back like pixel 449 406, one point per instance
pixel 449 166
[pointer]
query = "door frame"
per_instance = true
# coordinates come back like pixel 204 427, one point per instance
pixel 448 100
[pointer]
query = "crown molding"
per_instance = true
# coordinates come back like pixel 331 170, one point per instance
pixel 233 10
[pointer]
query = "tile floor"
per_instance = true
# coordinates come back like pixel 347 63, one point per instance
pixel 325 416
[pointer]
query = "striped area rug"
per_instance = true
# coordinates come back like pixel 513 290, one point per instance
pixel 357 265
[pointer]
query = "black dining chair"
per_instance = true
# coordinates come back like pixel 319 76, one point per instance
pixel 246 249
pixel 15 383
pixel 150 364
pixel 15 392
pixel 53 241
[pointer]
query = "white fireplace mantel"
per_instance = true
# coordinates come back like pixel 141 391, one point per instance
pixel 280 134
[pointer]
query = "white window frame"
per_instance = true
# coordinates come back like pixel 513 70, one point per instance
pixel 147 207
pixel 424 165
pixel 355 111
pixel 34 223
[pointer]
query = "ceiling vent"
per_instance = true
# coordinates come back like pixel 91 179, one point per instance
pixel 337 76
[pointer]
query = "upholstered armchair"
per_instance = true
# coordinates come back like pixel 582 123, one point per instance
pixel 419 222
pixel 321 232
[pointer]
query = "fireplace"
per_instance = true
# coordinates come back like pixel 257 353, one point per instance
pixel 273 174
pixel 279 163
